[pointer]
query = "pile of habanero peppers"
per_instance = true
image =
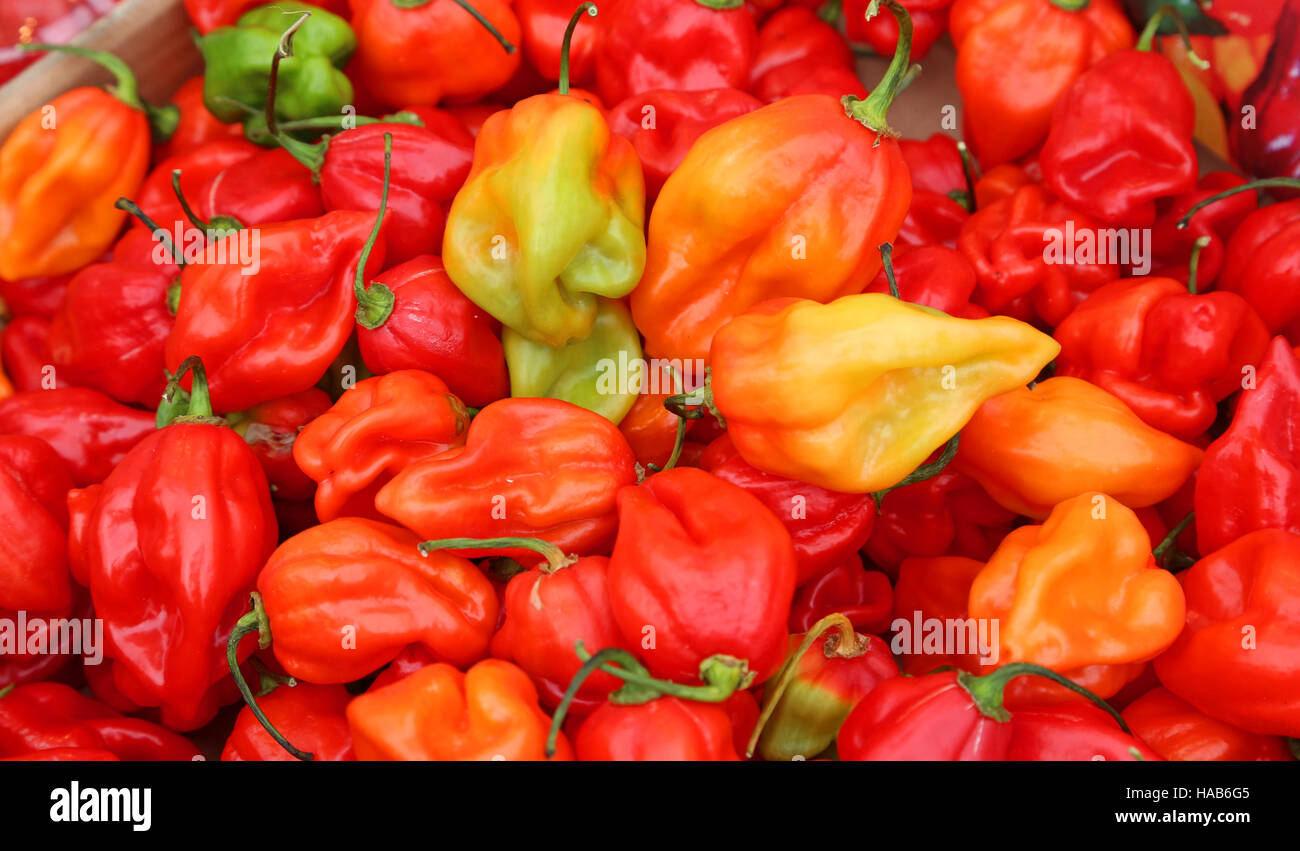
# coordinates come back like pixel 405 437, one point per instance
pixel 477 379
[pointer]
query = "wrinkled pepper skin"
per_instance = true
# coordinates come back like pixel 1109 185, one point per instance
pixel 1261 265
pixel 370 576
pixel 1170 355
pixel 1177 731
pixel 542 24
pixel 1237 660
pixel 25 355
pixel 824 526
pixel 376 429
pixel 795 44
pixel 533 468
pixel 1171 247
pixel 58 185
pixel 1015 58
pixel 1270 147
pixel 1250 478
pixel 585 372
pixel 687 540
pixel 672 44
pixel 90 432
pixel 270 187
pixel 668 729
pixel 311 716
pixel 273 332
pixel 1033 448
pixel 40 717
pixel 929 22
pixel 434 327
pixel 422 55
pixel 271 429
pixel 737 224
pixel 1115 148
pixel 111 330
pixel 940 197
pixel 663 125
pixel 933 276
pixel 1080 590
pixel 178 531
pixel 38 297
pixel 546 614
pixel 503 246
pixel 198 168
pixel 863 596
pixel 489 712
pixel 880 367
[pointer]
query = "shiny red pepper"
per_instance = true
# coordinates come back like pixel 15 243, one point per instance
pixel 87 429
pixel 799 53
pixel 1260 264
pixel 933 276
pixel 1178 731
pixel 199 167
pixel 1171 246
pixel 311 716
pixel 34 296
pixel 931 589
pixel 543 23
pixel 196 126
pixel 207 15
pixel 25 355
pixel 929 22
pixel 271 430
pixel 1269 146
pixel 865 597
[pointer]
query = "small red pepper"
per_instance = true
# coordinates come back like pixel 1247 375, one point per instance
pixel 198 168
pixel 87 429
pixel 1260 265
pixel 933 276
pixel 197 126
pixel 930 589
pixel 312 716
pixel 799 53
pixel 543 23
pixel 38 297
pixel 1213 225
pixel 929 22
pixel 271 430
pixel 25 355
pixel 1178 731
pixel 865 597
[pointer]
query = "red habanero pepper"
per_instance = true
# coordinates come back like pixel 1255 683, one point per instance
pixel 489 712
pixel 823 678
pixel 1238 659
pixel 824 526
pixel 369 580
pixel 933 276
pixel 863 596
pixel 1268 146
pixel 941 197
pixel 313 716
pixel 651 429
pixel 955 716
pixel 530 468
pixel 435 327
pixel 799 53
pixel 25 354
pixel 64 755
pixel 34 296
pixel 207 15
pixel 111 330
pixel 1026 261
pixel 543 23
pixel 274 332
pixel 1113 148
pixel 197 126
pixel 929 22
pixel 673 44
pixel 663 124
pixel 271 429
pixel 87 429
pixel 411 659
pixel 40 717
pixel 687 539
pixel 376 429
pixel 1178 731
pixel 1167 353
pixel 177 532
pixel 421 53
pixel 1250 477
pixel 269 187
pixel 1262 265
pixel 808 77
pixel 932 589
pixel 1171 246
pixel 198 168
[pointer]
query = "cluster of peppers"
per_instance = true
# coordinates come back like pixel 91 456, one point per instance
pixel 389 423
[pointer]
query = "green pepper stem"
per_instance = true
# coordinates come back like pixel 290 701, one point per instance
pixel 886 260
pixel 1195 261
pixel 872 111
pixel 845 644
pixel 283 50
pixel 555 557
pixel 375 303
pixel 5 691
pixel 162 119
pixel 487 25
pixel 1148 35
pixel 1071 5
pixel 269 680
pixel 161 235
pixel 566 45
pixel 1266 183
pixel 256 621
pixel 830 11
pixel 988 689
pixel 925 471
pixel 968 172
pixel 1166 544
pixel 721 5
pixel 199 404
pixel 690 406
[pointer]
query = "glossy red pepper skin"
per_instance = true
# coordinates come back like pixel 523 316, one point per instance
pixel 270 187
pixel 543 23
pixel 1170 355
pixel 798 53
pixel 271 429
pixel 687 539
pixel 40 717
pixel 546 614
pixel 929 22
pixel 207 15
pixel 110 331
pixel 199 167
pixel 428 167
pixel 1262 445
pixel 1238 659
pixel 825 527
pixel 865 597
pixel 87 429
pixel 933 276
pixel 25 355
pixel 38 297
pixel 311 716
pixel 667 729
pixel 662 124
pixel 274 332
pixel 1072 731
pixel 1171 247
pixel 1261 265
pixel 938 588
pixel 808 77
pixel 436 328
pixel 1270 147
pixel 938 192
pixel 1114 148
pixel 1177 731
pixel 197 126
pixel 178 531
pixel 672 44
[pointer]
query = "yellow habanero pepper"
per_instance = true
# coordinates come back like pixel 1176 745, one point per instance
pixel 854 395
